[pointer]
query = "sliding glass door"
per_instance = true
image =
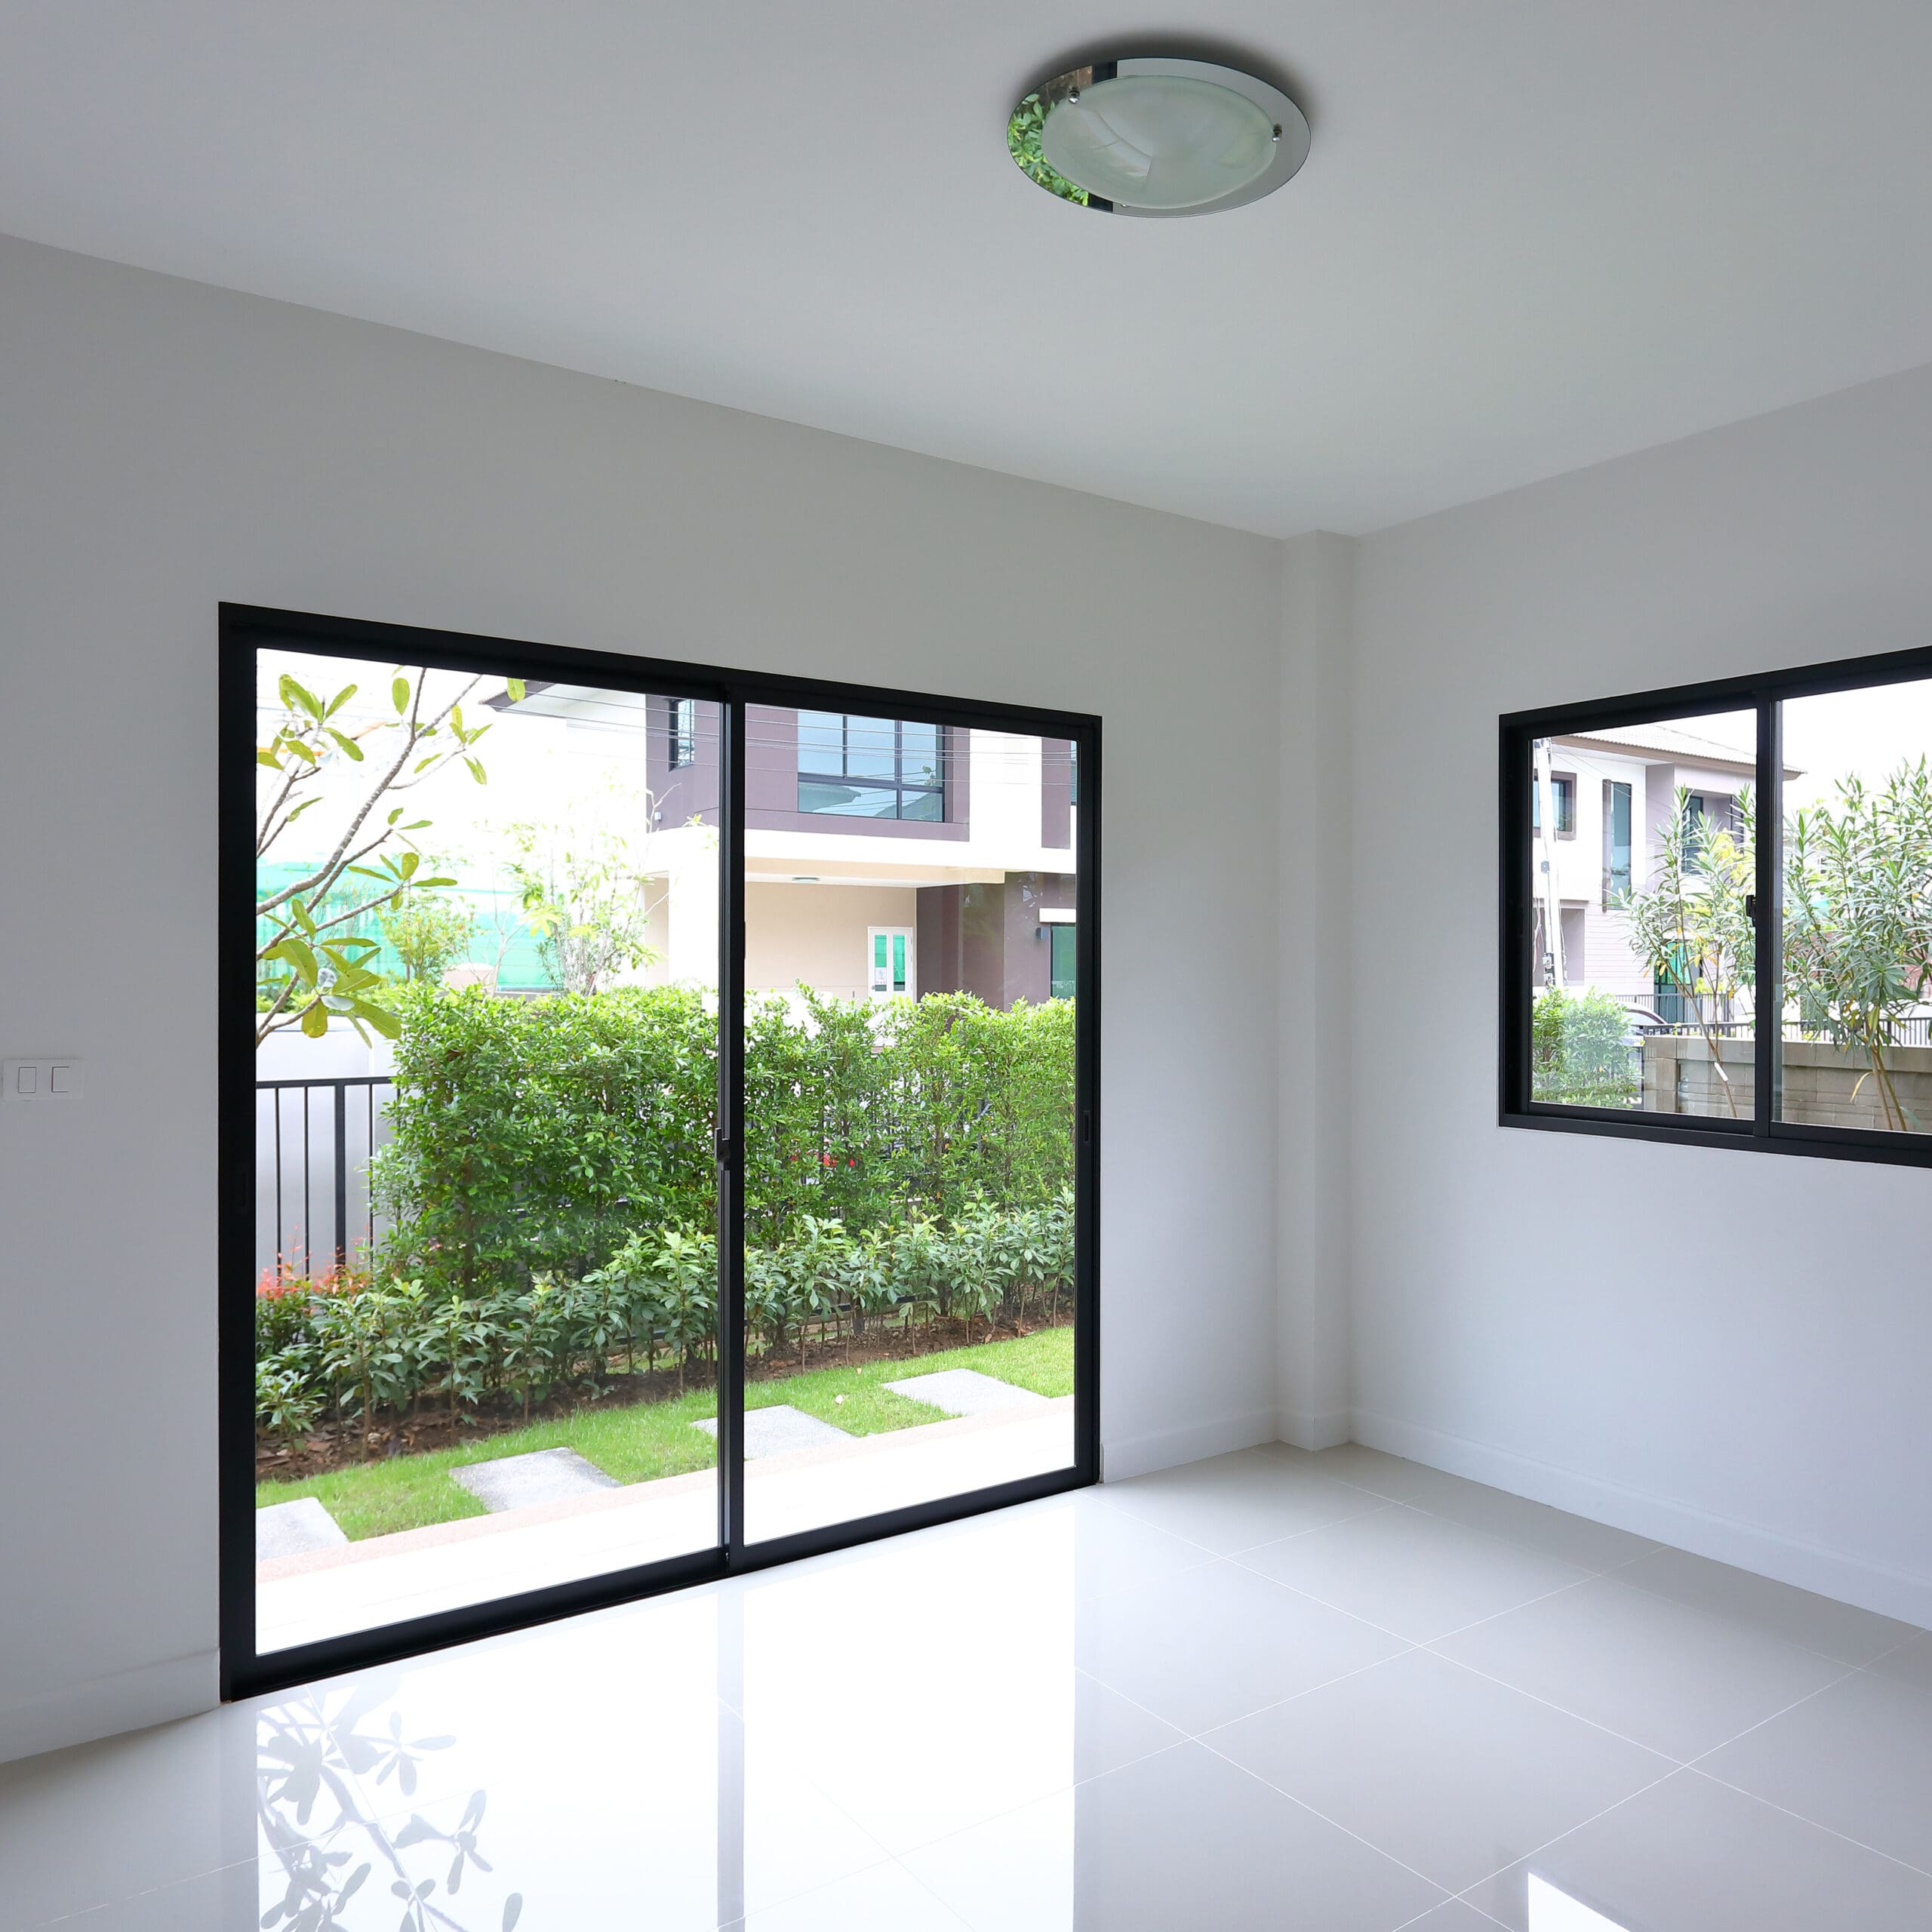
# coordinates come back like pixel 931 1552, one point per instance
pixel 658 1127
pixel 910 1324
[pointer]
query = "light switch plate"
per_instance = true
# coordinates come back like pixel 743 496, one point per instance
pixel 57 1077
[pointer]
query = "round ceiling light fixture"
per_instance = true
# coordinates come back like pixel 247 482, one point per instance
pixel 1156 137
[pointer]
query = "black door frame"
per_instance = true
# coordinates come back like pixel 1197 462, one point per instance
pixel 243 630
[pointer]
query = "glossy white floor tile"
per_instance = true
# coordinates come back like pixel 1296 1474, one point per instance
pixel 1213 1644
pixel 1690 1855
pixel 1232 1502
pixel 1856 1758
pixel 1186 1839
pixel 1677 1681
pixel 1840 1630
pixel 1419 1576
pixel 1193 1700
pixel 1455 1775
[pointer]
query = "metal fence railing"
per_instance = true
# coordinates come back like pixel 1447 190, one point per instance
pixel 1912 1030
pixel 314 1141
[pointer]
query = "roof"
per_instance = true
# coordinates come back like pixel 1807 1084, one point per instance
pixel 1682 747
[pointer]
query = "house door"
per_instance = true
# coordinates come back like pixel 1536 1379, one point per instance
pixel 889 970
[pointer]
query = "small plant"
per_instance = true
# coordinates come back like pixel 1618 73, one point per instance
pixel 426 932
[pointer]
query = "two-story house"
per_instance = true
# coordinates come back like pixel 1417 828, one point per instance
pixel 1600 802
pixel 883 857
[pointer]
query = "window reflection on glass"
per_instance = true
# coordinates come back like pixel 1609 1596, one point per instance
pixel 1553 1910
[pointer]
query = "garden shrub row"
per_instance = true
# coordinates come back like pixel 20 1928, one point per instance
pixel 550 1189
pixel 351 1343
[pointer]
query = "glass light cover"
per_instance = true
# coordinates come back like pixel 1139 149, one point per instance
pixel 1158 140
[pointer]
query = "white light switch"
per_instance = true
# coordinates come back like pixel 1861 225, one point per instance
pixel 58 1078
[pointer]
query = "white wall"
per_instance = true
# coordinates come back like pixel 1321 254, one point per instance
pixel 164 446
pixel 1726 1349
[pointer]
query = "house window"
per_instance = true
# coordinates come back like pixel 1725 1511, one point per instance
pixel 683 731
pixel 1615 842
pixel 1765 978
pixel 1563 792
pixel 889 968
pixel 870 768
pixel 1065 950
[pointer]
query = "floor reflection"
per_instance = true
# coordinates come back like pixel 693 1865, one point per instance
pixel 325 1764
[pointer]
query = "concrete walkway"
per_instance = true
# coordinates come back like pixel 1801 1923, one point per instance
pixel 360 1586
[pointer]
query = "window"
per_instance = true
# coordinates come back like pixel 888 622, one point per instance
pixel 683 731
pixel 1562 788
pixel 1615 842
pixel 1563 792
pixel 1754 967
pixel 754 996
pixel 870 768
pixel 1065 948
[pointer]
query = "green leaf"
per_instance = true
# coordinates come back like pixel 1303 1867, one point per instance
pixel 516 689
pixel 476 771
pixel 399 695
pixel 265 755
pixel 341 698
pixel 300 750
pixel 384 1021
pixel 348 746
pixel 297 954
pixel 425 764
pixel 315 1019
pixel 297 698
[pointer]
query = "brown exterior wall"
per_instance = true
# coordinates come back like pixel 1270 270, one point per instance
pixel 988 940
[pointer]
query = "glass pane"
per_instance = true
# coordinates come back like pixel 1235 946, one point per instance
pixel 919 748
pixel 1064 954
pixel 909 1139
pixel 1640 854
pixel 1857 1049
pixel 871 749
pixel 821 743
pixel 847 801
pixel 486 1218
pixel 927 807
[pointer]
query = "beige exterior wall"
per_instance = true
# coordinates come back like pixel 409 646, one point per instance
pixel 816 934
pixel 1824 1085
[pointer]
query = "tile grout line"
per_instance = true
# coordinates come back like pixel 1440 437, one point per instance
pixel 1830 1830
pixel 1368 1844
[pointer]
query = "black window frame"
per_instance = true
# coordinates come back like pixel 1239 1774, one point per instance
pixel 243 630
pixel 897 784
pixel 1763 694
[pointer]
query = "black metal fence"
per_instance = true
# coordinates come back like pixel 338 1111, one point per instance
pixel 314 1142
pixel 1913 1030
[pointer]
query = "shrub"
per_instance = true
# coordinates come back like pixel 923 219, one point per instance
pixel 1579 1049
pixel 551 1190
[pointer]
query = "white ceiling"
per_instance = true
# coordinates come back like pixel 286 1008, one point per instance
pixel 1531 234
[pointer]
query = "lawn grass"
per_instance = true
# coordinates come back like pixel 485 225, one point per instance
pixel 653 1439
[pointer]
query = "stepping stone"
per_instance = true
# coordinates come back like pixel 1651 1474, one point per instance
pixel 965 1392
pixel 772 1431
pixel 293 1529
pixel 543 1475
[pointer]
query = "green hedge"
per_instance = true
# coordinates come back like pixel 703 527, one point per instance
pixel 356 1343
pixel 550 1186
